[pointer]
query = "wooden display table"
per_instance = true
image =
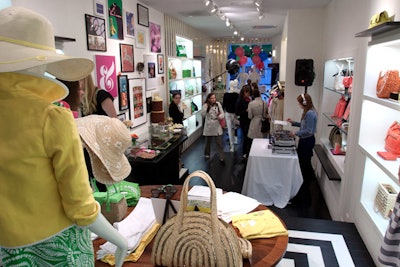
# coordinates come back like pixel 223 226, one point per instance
pixel 266 251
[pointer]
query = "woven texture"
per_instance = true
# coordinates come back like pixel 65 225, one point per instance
pixel 193 238
pixel 385 199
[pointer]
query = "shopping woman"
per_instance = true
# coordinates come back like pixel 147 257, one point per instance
pixel 176 109
pixel 242 112
pixel 308 127
pixel 255 113
pixel 212 111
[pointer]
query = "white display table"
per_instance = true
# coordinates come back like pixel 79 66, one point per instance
pixel 271 179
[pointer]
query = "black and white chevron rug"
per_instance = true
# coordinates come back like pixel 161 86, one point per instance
pixel 323 243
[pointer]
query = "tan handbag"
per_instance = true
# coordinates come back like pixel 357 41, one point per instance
pixel 194 238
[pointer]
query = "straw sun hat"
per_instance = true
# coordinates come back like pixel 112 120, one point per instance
pixel 27 41
pixel 106 140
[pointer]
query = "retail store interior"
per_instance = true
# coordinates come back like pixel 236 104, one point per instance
pixel 190 46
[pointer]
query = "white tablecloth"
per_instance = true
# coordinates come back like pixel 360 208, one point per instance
pixel 271 179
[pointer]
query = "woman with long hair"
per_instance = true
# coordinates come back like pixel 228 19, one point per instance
pixel 308 127
pixel 242 112
pixel 212 111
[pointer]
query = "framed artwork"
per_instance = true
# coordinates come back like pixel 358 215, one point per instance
pixel 122 116
pixel 140 38
pixel 160 62
pixel 130 24
pixel 137 101
pixel 148 103
pixel 123 93
pixel 116 27
pixel 127 58
pixel 151 70
pixel 95 33
pixel 99 8
pixel 143 15
pixel 106 74
pixel 155 38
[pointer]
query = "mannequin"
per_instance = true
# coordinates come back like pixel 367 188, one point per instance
pixel 229 105
pixel 46 163
pixel 243 76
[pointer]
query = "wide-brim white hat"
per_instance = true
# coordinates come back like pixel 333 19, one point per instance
pixel 27 41
pixel 106 139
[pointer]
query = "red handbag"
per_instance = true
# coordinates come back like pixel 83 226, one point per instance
pixel 388 82
pixel 392 140
pixel 340 108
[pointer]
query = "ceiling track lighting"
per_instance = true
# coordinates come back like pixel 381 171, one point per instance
pixel 214 9
pixel 207 2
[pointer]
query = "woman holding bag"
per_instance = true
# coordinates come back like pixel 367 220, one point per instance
pixel 212 112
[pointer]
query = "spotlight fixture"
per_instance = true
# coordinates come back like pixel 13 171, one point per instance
pixel 261 15
pixel 227 22
pixel 256 3
pixel 242 38
pixel 214 9
pixel 235 32
pixel 207 2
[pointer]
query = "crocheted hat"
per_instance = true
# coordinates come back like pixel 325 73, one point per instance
pixel 106 139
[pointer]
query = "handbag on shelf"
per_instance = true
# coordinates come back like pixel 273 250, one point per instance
pixel 340 108
pixel 392 140
pixel 338 79
pixel 385 199
pixel 265 123
pixel 195 238
pixel 335 136
pixel 388 82
pixel 348 79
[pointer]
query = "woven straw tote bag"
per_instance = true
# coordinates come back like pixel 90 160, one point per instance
pixel 197 239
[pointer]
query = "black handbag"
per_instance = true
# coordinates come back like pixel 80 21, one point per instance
pixel 265 124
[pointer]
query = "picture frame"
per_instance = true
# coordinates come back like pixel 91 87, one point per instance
pixel 140 38
pixel 129 24
pixel 149 100
pixel 127 58
pixel 137 101
pixel 143 15
pixel 123 92
pixel 160 64
pixel 115 19
pixel 99 8
pixel 95 33
pixel 122 116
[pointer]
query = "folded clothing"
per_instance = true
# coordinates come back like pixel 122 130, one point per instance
pixel 259 224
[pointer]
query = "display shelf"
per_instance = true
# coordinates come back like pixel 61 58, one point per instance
pixel 337 161
pixel 380 29
pixel 377 114
pixel 340 92
pixel 184 76
pixel 336 121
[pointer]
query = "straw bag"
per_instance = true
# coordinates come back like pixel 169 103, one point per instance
pixel 392 140
pixel 385 199
pixel 194 238
pixel 113 204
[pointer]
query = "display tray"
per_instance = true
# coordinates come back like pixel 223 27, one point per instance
pixel 338 153
pixel 162 146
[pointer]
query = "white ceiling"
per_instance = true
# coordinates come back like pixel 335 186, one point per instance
pixel 242 13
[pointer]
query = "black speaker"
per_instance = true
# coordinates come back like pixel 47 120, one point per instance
pixel 304 74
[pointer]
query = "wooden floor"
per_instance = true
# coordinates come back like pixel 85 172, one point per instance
pixel 306 212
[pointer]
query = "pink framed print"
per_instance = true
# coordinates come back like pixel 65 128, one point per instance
pixel 106 74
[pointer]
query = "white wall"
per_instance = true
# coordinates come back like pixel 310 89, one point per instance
pixel 303 41
pixel 68 20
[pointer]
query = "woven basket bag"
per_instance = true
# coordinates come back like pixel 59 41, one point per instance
pixel 196 239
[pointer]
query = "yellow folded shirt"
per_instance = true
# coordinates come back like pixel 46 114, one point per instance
pixel 134 256
pixel 259 224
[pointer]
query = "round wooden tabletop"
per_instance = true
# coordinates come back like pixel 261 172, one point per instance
pixel 266 251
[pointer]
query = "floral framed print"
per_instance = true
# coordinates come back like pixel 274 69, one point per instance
pixel 127 58
pixel 155 38
pixel 137 101
pixel 160 62
pixel 123 93
pixel 140 38
pixel 95 33
pixel 143 15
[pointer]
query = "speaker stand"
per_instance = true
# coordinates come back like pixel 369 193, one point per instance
pixel 305 89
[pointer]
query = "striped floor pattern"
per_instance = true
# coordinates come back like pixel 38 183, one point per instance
pixel 316 250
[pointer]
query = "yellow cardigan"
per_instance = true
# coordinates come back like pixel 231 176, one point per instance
pixel 44 187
